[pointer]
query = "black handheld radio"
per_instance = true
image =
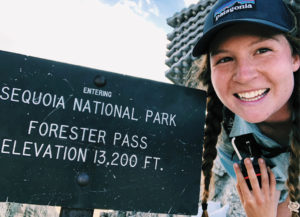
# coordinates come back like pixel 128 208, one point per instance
pixel 248 143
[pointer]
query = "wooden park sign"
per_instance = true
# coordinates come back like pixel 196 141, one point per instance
pixel 83 138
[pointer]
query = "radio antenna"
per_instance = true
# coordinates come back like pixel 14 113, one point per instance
pixel 235 149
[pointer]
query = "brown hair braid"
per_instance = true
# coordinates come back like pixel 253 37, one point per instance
pixel 212 129
pixel 293 169
pixel 294 166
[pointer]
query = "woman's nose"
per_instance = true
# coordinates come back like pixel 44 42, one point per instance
pixel 245 71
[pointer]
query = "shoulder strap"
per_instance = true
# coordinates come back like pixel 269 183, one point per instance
pixel 228 118
pixel 273 152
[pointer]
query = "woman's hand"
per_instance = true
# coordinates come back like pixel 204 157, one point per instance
pixel 260 201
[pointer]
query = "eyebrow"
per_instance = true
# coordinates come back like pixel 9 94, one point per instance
pixel 214 52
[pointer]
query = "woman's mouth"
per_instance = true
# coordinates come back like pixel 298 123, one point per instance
pixel 252 95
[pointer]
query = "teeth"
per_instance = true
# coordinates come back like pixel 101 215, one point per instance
pixel 252 95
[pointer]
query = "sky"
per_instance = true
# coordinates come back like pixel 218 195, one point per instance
pixel 121 36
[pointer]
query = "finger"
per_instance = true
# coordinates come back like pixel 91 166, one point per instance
pixel 245 192
pixel 252 177
pixel 272 181
pixel 240 193
pixel 264 176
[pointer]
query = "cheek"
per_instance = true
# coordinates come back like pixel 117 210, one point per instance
pixel 219 81
pixel 287 85
pixel 283 73
pixel 220 85
pixel 214 81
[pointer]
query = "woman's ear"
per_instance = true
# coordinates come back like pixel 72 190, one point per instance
pixel 296 62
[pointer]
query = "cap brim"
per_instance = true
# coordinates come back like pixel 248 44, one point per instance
pixel 202 45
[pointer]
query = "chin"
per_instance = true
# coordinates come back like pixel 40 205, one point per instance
pixel 254 121
pixel 253 118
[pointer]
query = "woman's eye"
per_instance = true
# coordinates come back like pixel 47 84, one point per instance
pixel 262 50
pixel 224 60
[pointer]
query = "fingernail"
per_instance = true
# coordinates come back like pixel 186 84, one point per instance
pixel 261 160
pixel 235 166
pixel 247 161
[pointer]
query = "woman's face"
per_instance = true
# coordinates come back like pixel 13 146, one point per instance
pixel 253 74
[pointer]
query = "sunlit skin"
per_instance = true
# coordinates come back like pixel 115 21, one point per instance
pixel 253 74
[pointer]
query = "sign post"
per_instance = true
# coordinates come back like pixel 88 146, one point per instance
pixel 71 212
pixel 83 138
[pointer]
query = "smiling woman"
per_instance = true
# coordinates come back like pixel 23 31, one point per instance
pixel 250 65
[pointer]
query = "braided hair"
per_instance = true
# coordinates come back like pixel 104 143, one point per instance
pixel 294 164
pixel 212 129
pixel 214 121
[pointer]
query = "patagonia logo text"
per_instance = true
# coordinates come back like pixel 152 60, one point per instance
pixel 232 6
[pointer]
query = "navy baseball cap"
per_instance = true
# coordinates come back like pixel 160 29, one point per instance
pixel 271 13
